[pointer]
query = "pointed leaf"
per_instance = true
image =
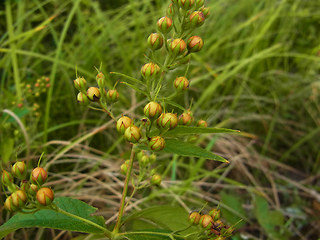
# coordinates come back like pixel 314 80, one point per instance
pixel 184 130
pixel 51 219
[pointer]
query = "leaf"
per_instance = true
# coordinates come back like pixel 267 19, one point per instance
pixel 180 148
pixel 20 112
pixel 184 130
pixel 232 209
pixel 174 218
pixel 135 88
pixel 128 77
pixel 6 148
pixel 51 219
pixel 154 234
pixel 172 103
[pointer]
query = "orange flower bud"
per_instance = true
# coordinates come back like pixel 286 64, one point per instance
pixel 181 83
pixel 157 143
pixel 19 198
pixel 152 110
pixel 132 134
pixel 45 196
pixel 195 44
pixel 156 179
pixel 178 46
pixel 112 95
pixel 202 123
pixel 155 41
pixel 38 176
pixel 196 19
pixel 165 24
pixel 194 218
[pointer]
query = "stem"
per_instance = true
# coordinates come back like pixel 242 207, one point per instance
pixel 124 193
pixel 105 231
pixel 105 109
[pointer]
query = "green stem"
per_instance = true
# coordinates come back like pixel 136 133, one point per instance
pixel 13 51
pixel 124 193
pixel 105 231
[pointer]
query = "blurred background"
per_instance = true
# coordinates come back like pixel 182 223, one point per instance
pixel 258 72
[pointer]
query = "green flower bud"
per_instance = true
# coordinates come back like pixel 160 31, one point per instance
pixel 19 199
pixel 124 169
pixel 145 121
pixel 215 214
pixel 25 186
pixel 38 176
pixel 152 110
pixel 157 143
pixel 6 178
pixel 112 95
pixel 155 41
pixel 227 231
pixel 80 84
pixel 33 189
pixel 205 11
pixel 100 78
pixel 19 170
pixel 185 119
pixel 45 196
pixel 206 221
pixel 156 179
pixel 199 3
pixel 132 134
pixel 82 98
pixel 195 44
pixel 196 19
pixel 181 83
pixel 93 94
pixel 140 155
pixel 150 70
pixel 8 205
pixel 152 158
pixel 202 123
pixel 123 123
pixel 144 161
pixel 170 10
pixel 194 218
pixel 186 4
pixel 178 46
pixel 165 25
pixel 167 120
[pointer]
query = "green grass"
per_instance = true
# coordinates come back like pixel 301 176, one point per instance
pixel 258 72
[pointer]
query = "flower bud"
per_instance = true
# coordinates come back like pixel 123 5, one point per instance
pixel 25 186
pixel 178 46
pixel 227 231
pixel 156 179
pixel 199 3
pixel 215 214
pixel 195 44
pixel 157 143
pixel 152 158
pixel 205 11
pixel 165 25
pixel 19 199
pixel 123 123
pixel 93 94
pixel 150 70
pixel 185 119
pixel 170 10
pixel 202 123
pixel 181 83
pixel 206 221
pixel 33 189
pixel 80 84
pixel 45 196
pixel 194 218
pixel 174 2
pixel 167 120
pixel 38 176
pixel 132 134
pixel 19 170
pixel 112 95
pixel 145 121
pixel 186 4
pixel 82 98
pixel 140 155
pixel 9 205
pixel 124 168
pixel 144 161
pixel 196 19
pixel 100 78
pixel 152 110
pixel 6 178
pixel 155 41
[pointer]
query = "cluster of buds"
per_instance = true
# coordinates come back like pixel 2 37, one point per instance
pixel 28 194
pixel 212 224
pixel 95 94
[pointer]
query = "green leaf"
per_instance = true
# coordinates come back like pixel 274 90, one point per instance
pixel 135 88
pixel 154 234
pixel 187 149
pixel 184 130
pixel 128 77
pixel 174 218
pixel 51 219
pixel 172 103
pixel 6 149
pixel 232 209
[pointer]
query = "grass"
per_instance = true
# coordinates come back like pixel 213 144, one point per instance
pixel 258 72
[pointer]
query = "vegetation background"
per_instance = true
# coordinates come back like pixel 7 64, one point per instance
pixel 258 72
